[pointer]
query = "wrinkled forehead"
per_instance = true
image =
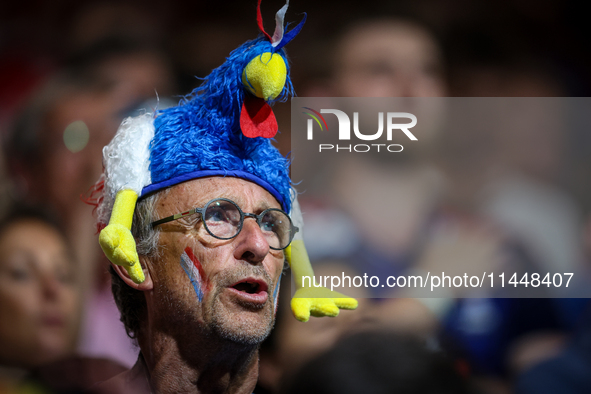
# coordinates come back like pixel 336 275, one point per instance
pixel 198 192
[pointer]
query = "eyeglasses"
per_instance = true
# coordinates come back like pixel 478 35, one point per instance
pixel 223 219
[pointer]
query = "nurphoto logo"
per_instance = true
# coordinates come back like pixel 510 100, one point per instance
pixel 392 120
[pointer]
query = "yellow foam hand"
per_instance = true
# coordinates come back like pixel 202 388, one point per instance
pixel 116 239
pixel 318 302
pixel 265 75
pixel 312 301
pixel 119 247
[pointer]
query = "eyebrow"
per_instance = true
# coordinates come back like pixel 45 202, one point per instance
pixel 260 206
pixel 263 205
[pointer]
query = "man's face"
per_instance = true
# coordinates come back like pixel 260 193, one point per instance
pixel 226 287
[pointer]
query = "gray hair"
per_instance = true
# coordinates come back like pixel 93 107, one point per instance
pixel 145 235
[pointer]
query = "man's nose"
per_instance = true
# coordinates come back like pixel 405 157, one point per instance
pixel 251 244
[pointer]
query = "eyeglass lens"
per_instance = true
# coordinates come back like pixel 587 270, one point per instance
pixel 223 220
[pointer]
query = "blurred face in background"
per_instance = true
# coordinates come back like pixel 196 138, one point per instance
pixel 82 119
pixel 388 58
pixel 70 161
pixel 38 301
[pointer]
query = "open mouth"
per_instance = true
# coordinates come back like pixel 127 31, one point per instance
pixel 251 286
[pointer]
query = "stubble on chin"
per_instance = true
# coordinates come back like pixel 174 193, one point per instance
pixel 249 327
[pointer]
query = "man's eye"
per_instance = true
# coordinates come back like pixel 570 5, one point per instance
pixel 268 226
pixel 217 215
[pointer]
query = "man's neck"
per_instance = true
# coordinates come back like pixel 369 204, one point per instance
pixel 199 364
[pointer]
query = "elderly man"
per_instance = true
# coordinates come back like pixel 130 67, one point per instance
pixel 208 344
pixel 196 277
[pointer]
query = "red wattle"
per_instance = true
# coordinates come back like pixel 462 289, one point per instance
pixel 257 118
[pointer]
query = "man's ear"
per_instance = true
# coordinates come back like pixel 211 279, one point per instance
pixel 146 285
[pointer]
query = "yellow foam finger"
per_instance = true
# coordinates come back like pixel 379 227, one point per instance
pixel 323 307
pixel 136 273
pixel 346 303
pixel 300 308
pixel 118 245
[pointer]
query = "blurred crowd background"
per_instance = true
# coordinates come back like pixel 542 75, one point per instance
pixel 70 71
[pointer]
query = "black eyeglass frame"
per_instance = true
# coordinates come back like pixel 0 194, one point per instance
pixel 243 215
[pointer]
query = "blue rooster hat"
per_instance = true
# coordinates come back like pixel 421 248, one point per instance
pixel 223 128
pixel 202 136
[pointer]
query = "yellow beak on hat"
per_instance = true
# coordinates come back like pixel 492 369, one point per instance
pixel 264 76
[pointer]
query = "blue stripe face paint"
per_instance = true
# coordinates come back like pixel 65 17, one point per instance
pixel 193 274
pixel 276 292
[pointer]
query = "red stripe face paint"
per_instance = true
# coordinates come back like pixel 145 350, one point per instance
pixel 205 285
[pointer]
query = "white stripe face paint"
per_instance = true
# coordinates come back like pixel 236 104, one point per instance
pixel 193 274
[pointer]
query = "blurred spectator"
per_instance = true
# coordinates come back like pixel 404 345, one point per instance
pixel 38 297
pixel 55 155
pixel 387 58
pixel 382 57
pixel 379 362
pixel 526 195
pixel 528 169
pixel 99 21
pixel 415 215
pixel 55 151
pixel 568 372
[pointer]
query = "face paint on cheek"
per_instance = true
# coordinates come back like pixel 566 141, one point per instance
pixel 194 271
pixel 276 293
